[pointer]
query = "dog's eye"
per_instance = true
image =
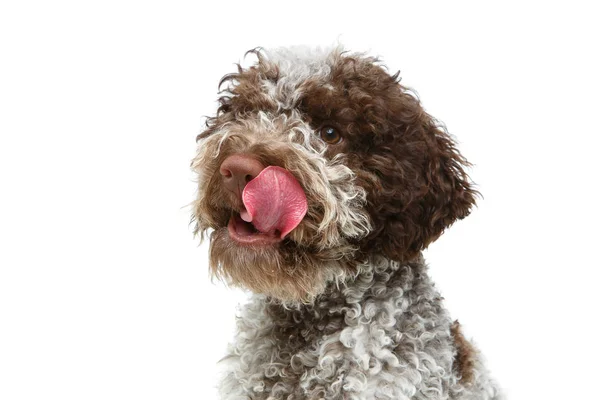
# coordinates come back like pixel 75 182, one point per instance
pixel 330 135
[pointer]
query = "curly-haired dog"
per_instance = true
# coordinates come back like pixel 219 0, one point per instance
pixel 322 179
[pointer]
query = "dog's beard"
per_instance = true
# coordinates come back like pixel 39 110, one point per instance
pixel 281 271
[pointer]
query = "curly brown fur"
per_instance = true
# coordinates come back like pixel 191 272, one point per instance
pixel 405 159
pixel 466 355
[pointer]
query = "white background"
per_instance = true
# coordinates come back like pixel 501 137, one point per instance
pixel 104 293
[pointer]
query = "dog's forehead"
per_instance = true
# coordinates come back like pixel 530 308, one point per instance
pixel 297 68
pixel 313 84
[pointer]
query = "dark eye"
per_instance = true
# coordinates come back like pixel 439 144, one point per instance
pixel 330 135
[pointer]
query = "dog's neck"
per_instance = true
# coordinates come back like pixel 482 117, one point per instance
pixel 375 279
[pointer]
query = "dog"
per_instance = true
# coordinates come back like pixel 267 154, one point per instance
pixel 320 181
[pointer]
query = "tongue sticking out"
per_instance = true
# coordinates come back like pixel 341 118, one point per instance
pixel 274 201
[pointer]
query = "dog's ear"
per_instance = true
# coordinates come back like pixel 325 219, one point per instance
pixel 419 186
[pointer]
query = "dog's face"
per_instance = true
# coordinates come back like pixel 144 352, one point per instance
pixel 314 161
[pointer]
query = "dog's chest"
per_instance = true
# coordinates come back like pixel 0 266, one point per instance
pixel 388 339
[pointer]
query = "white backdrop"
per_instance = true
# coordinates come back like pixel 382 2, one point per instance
pixel 104 293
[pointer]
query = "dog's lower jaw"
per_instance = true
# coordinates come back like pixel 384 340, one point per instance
pixel 285 270
pixel 383 335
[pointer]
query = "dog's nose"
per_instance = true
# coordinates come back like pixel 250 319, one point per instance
pixel 239 169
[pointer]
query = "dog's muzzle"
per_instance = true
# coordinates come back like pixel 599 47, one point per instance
pixel 273 202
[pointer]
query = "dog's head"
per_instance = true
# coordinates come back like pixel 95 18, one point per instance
pixel 314 161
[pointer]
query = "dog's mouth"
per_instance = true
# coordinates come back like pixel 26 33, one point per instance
pixel 246 233
pixel 274 204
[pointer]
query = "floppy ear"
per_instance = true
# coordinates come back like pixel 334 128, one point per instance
pixel 421 186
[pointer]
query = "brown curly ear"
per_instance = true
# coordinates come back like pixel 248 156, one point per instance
pixel 450 196
pixel 421 186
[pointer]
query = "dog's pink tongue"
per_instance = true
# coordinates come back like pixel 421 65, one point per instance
pixel 274 201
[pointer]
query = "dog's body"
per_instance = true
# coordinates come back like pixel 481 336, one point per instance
pixel 323 179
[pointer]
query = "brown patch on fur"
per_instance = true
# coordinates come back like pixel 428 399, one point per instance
pixel 414 176
pixel 245 91
pixel 464 362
